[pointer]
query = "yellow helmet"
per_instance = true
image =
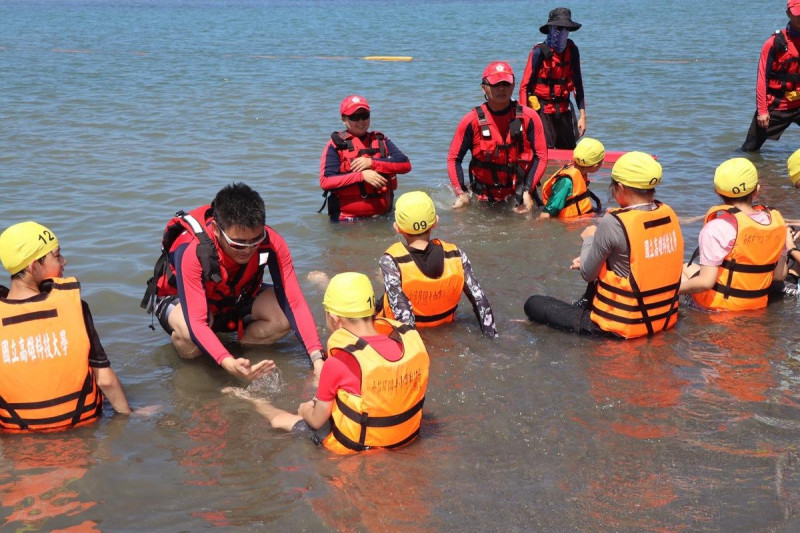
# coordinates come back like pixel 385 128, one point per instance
pixel 349 295
pixel 793 165
pixel 638 170
pixel 24 243
pixel 414 212
pixel 735 178
pixel 589 152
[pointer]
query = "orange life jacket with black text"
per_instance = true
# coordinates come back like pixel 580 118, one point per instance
pixel 646 301
pixel 499 164
pixel 433 301
pixel 45 380
pixel 578 203
pixel 746 273
pixel 388 412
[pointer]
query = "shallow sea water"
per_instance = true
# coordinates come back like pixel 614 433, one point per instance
pixel 115 114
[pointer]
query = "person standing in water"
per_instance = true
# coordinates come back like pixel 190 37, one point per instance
pixel 509 153
pixel 358 169
pixel 551 75
pixel 777 83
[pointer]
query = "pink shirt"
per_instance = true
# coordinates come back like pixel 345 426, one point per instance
pixel 717 238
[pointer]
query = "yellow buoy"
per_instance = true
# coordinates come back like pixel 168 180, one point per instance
pixel 388 58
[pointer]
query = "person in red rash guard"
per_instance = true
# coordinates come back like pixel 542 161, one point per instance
pixel 213 282
pixel 552 73
pixel 358 169
pixel 507 143
pixel 777 84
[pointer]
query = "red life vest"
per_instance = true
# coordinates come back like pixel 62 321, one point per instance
pixel 498 164
pixel 225 290
pixel 552 79
pixel 361 199
pixel 784 71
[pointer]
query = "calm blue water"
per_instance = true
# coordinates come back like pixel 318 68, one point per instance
pixel 113 115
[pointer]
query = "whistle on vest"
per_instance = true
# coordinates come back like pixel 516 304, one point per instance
pixel 533 103
pixel 792 95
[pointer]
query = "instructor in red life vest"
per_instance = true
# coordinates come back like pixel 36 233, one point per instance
pixel 358 170
pixel 778 83
pixel 211 281
pixel 552 73
pixel 509 153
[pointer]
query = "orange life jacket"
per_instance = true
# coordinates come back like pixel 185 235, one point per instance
pixel 225 291
pixel 45 380
pixel 388 412
pixel 646 301
pixel 433 301
pixel 499 164
pixel 746 273
pixel 552 80
pixel 361 199
pixel 784 71
pixel 578 203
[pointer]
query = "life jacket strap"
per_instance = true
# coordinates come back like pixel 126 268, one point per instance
pixel 436 317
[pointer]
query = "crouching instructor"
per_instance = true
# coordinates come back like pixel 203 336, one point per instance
pixel 209 279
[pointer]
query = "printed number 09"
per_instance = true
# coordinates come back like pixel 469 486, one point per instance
pixel 420 225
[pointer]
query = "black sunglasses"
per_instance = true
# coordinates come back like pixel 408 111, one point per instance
pixel 355 117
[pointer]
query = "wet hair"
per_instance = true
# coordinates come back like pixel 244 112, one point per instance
pixel 239 205
pixel 649 194
pixel 728 200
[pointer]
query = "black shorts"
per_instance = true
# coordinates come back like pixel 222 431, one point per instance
pixel 559 130
pixel 219 323
pixel 302 429
pixel 778 122
pixel 561 315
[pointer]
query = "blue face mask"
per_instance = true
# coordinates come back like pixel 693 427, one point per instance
pixel 557 38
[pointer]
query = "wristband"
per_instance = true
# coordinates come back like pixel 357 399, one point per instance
pixel 316 356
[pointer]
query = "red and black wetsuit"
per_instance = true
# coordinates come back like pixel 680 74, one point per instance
pixel 468 137
pixel 239 281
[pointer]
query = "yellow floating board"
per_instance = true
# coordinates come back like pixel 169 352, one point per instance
pixel 388 58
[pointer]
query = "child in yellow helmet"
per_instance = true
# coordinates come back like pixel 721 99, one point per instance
pixel 425 277
pixel 565 193
pixel 364 353
pixel 51 353
pixel 741 246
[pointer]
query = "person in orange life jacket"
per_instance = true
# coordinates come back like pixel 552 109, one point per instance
pixel 191 305
pixel 632 261
pixel 565 194
pixel 509 153
pixel 358 167
pixel 552 73
pixel 741 246
pixel 50 348
pixel 777 83
pixel 362 351
pixel 424 278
